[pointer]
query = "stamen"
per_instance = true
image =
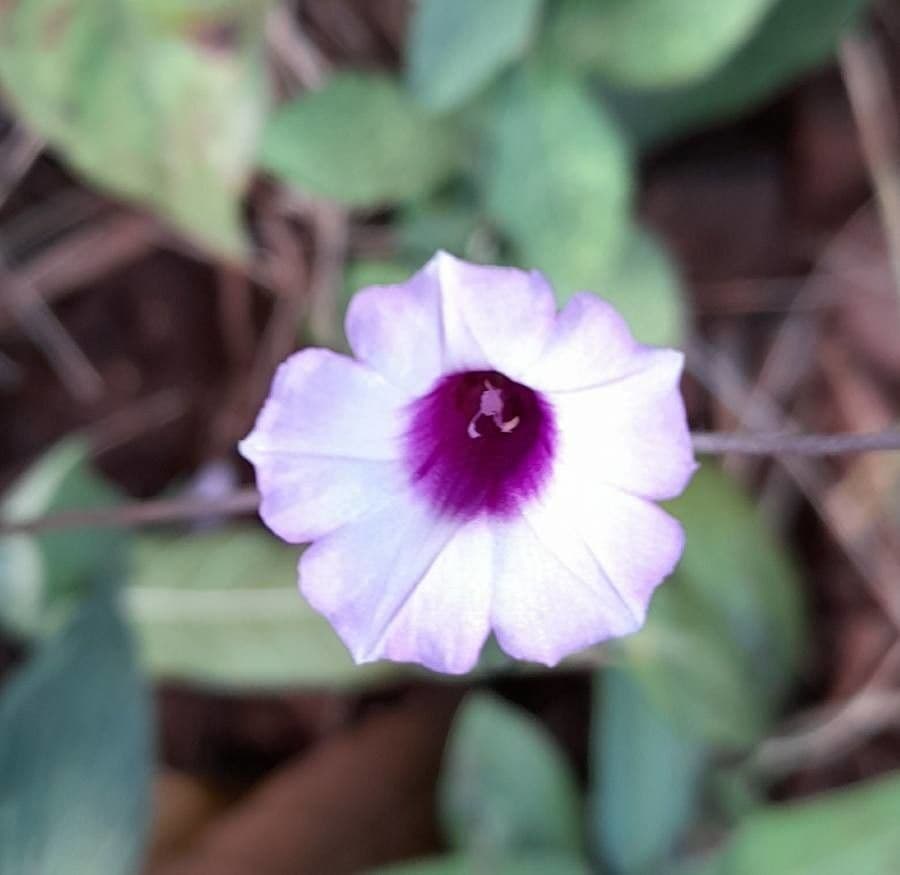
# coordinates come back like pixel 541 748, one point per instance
pixel 491 400
pixel 491 404
pixel 465 476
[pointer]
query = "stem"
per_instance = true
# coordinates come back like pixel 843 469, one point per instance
pixel 784 444
pixel 246 501
pixel 139 513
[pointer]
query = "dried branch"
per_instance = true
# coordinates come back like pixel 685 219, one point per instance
pixel 140 513
pixel 832 732
pixel 786 444
pixel 20 150
pixel 868 86
pixel 246 501
pixel 28 307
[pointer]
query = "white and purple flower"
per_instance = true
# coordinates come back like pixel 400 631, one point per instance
pixel 483 464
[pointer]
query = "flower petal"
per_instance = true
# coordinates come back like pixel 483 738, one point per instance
pixel 590 344
pixel 578 568
pixel 550 595
pixel 508 315
pixel 445 622
pixel 398 331
pixel 306 497
pixel 385 580
pixel 325 445
pixel 451 316
pixel 635 541
pixel 631 432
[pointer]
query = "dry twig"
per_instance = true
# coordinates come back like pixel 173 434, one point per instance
pixel 30 310
pixel 869 89
pixel 246 500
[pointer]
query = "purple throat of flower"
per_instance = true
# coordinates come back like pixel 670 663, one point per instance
pixel 480 443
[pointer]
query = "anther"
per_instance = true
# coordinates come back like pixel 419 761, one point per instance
pixel 491 404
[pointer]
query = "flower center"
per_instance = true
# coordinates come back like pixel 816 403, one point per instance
pixel 479 442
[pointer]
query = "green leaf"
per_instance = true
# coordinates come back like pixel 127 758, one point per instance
pixel 724 635
pixel 161 103
pixel 453 224
pixel 360 140
pixel 222 608
pixel 707 865
pixel 23 597
pixel 694 672
pixel 735 565
pixel 652 43
pixel 796 36
pixel 647 776
pixel 533 864
pixel 852 830
pixel 76 754
pixel 559 179
pixel 41 575
pixel 645 288
pixel 505 785
pixel 456 48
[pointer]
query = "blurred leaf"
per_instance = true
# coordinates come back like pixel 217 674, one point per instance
pixel 456 48
pixel 449 223
pixel 360 140
pixel 162 103
pixel 724 635
pixel 505 785
pixel 559 179
pixel 734 564
pixel 223 608
pixel 707 865
pixel 23 595
pixel 41 574
pixel 795 36
pixel 76 754
pixel 539 864
pixel 845 831
pixel 647 776
pixel 645 288
pixel 694 672
pixel 736 789
pixel 652 43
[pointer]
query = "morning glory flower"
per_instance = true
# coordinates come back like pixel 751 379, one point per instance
pixel 482 464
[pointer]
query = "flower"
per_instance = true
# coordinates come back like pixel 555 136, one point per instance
pixel 484 463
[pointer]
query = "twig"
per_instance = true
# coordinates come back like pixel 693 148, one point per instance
pixel 56 214
pixel 10 372
pixel 140 513
pixel 291 47
pixel 786 362
pixel 718 375
pixel 868 87
pixel 288 276
pixel 95 249
pixel 22 149
pixel 785 444
pixel 247 500
pixel 67 359
pixel 832 732
pixel 330 224
pixel 234 299
pixel 146 414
